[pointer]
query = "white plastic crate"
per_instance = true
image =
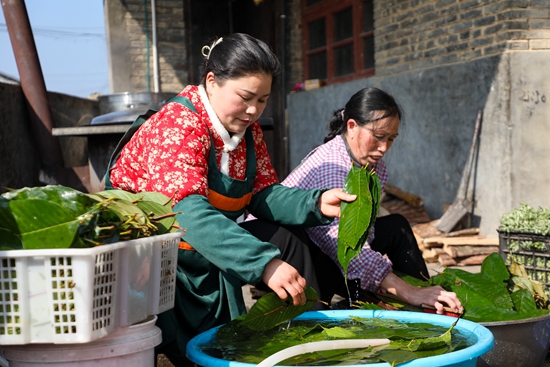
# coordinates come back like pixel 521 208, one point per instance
pixel 79 295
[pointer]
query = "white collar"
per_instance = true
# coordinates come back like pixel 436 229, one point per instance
pixel 229 142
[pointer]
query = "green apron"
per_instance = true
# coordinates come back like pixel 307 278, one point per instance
pixel 206 296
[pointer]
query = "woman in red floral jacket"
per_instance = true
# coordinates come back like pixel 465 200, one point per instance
pixel 210 157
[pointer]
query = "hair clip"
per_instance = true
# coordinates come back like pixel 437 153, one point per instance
pixel 206 50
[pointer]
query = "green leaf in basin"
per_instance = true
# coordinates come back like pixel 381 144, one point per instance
pixel 270 311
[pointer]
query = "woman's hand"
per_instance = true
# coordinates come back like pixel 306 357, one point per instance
pixel 285 280
pixel 329 202
pixel 435 296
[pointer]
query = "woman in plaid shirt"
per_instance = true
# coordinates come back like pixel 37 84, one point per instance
pixel 361 133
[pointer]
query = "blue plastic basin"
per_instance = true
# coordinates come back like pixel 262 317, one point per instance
pixel 480 338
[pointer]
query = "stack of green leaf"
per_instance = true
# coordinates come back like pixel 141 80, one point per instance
pixel 526 219
pixel 496 293
pixel 56 216
pixel 357 217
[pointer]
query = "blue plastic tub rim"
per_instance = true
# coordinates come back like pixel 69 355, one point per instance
pixel 476 333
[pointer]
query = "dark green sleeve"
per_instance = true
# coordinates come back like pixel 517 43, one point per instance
pixel 222 241
pixel 289 206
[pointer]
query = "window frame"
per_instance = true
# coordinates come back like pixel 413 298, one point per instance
pixel 325 9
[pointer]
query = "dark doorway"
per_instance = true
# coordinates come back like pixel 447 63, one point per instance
pixel 207 20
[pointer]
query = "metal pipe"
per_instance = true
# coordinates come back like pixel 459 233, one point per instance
pixel 286 143
pixel 155 52
pixel 32 81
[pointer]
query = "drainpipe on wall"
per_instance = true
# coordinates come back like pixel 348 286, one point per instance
pixel 38 106
pixel 155 51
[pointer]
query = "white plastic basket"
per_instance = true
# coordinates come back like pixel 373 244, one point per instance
pixel 79 295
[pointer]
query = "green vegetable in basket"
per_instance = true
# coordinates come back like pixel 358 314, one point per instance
pixel 526 219
pixel 357 217
pixel 56 216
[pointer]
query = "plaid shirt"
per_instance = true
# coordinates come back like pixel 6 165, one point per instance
pixel 327 166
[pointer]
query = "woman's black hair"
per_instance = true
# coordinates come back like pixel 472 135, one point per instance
pixel 361 107
pixel 239 55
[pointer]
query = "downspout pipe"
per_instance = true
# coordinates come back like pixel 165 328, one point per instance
pixel 32 82
pixel 155 50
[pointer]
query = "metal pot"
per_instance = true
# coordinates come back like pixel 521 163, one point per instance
pixel 126 107
pixel 518 343
pixel 127 101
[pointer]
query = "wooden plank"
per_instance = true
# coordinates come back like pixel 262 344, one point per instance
pixel 464 232
pixel 432 255
pixel 474 241
pixel 465 240
pixel 446 260
pixel 426 229
pixel 411 199
pixel 430 245
pixel 472 260
pixel 467 250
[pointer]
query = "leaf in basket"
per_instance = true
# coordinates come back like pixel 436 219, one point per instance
pixel 7 220
pixel 43 224
pixel 270 311
pixel 487 296
pixel 71 200
pixel 157 206
pixel 523 301
pixel 164 214
pixel 9 241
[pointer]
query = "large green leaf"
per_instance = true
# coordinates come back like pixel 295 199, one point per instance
pixel 523 301
pixel 355 217
pixel 9 240
pixel 270 311
pixel 43 224
pixel 58 236
pixel 486 296
pixel 7 220
pixel 72 201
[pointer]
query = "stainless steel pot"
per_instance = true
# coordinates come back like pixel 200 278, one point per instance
pixel 518 343
pixel 127 101
pixel 122 108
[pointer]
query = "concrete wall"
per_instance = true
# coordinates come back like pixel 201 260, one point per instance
pixel 19 161
pixel 19 157
pixel 440 106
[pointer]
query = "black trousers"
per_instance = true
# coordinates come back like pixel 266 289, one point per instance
pixel 394 238
pixel 295 247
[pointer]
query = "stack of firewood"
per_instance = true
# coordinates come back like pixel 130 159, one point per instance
pixel 459 248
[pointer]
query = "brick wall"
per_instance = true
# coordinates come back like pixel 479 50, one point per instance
pixel 294 48
pixel 415 34
pixel 171 49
